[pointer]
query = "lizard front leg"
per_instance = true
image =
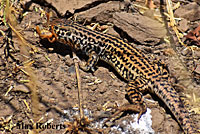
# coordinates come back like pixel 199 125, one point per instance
pixel 92 61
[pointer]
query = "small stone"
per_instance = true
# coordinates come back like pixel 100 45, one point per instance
pixel 157 119
pixel 196 54
pixel 71 70
pixel 183 25
pixel 197 69
pixel 50 49
pixel 21 88
pixel 185 51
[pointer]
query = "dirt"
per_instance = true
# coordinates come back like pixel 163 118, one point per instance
pixel 51 95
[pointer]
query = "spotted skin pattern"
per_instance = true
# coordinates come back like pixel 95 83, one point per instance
pixel 131 63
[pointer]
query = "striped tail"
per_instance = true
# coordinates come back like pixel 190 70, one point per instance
pixel 170 97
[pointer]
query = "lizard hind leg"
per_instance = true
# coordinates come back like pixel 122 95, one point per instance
pixel 134 92
pixel 137 105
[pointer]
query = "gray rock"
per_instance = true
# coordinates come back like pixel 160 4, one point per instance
pixel 190 12
pixel 63 6
pixel 140 28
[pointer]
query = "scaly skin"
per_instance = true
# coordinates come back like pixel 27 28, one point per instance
pixel 128 61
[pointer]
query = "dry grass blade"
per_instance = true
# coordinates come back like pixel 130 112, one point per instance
pixel 79 86
pixel 11 22
pixel 172 21
pixel 79 123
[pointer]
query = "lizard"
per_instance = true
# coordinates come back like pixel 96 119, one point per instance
pixel 130 63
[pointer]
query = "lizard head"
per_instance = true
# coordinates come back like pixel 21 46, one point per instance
pixel 46 33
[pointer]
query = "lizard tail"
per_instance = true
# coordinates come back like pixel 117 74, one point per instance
pixel 170 97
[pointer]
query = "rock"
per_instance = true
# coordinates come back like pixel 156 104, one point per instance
pixel 157 119
pixel 102 12
pixel 183 25
pixel 140 28
pixel 63 6
pixel 197 69
pixel 185 52
pixel 73 6
pixel 170 126
pixel 190 12
pixel 196 54
pixel 21 88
